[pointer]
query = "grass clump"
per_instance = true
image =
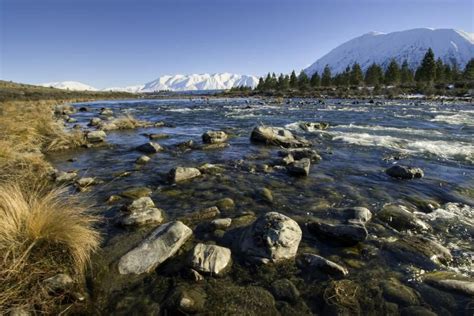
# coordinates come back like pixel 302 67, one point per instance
pixel 44 232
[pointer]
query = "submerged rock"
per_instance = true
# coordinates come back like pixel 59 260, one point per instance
pixel 225 204
pixel 214 137
pixel 285 290
pixel 349 234
pixel 95 121
pixel 179 174
pixel 404 172
pixel 210 259
pixel 311 262
pixel 157 136
pixel 160 245
pixel 135 193
pixel 186 300
pixel 400 218
pixel 277 136
pixel 420 251
pixel 142 211
pixel 142 160
pixel 300 153
pixel 106 112
pixel 150 148
pixel 299 167
pixel 203 214
pixel 396 292
pixel 358 214
pixel 271 238
pixel 96 136
pixel 465 287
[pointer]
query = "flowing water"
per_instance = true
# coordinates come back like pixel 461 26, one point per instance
pixel 362 141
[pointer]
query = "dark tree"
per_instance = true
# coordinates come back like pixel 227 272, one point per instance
pixel 374 75
pixel 315 80
pixel 303 81
pixel 293 80
pixel 392 74
pixel 427 70
pixel 468 74
pixel 406 74
pixel 439 71
pixel 326 77
pixel 356 75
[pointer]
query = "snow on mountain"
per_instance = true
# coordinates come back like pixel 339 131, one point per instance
pixel 411 45
pixel 69 85
pixel 130 89
pixel 219 81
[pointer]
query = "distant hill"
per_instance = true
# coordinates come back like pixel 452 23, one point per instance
pixel 69 85
pixel 452 46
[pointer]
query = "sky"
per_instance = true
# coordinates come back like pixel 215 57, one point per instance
pixel 108 43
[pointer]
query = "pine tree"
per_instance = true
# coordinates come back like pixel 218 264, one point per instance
pixel 268 82
pixel 293 80
pixel 303 81
pixel 283 82
pixel 468 74
pixel 406 74
pixel 374 75
pixel 427 70
pixel 448 74
pixel 392 74
pixel 439 71
pixel 356 75
pixel 261 84
pixel 455 72
pixel 326 77
pixel 315 80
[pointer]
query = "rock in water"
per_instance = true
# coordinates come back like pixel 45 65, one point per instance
pixel 299 167
pixel 277 136
pixel 142 160
pixel 160 245
pixel 358 214
pixel 404 172
pixel 400 218
pixel 311 262
pixel 210 258
pixel 271 238
pixel 350 234
pixel 214 137
pixel 300 153
pixel 96 136
pixel 150 148
pixel 95 121
pixel 142 211
pixel 313 126
pixel 465 287
pixel 179 174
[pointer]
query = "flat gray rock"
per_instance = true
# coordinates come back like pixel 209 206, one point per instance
pixel 160 245
pixel 179 174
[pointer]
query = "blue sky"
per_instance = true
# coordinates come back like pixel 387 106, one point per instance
pixel 108 43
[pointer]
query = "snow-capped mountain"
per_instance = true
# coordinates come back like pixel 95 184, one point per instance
pixel 219 81
pixel 131 89
pixel 69 85
pixel 411 45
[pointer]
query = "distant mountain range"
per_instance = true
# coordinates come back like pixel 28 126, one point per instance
pixel 411 45
pixel 452 46
pixel 194 82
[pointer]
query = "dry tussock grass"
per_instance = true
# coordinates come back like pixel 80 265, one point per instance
pixel 43 231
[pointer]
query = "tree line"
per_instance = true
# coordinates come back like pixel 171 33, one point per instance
pixel 430 72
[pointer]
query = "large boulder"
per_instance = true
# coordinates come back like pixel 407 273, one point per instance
pixel 214 137
pixel 150 148
pixel 404 172
pixel 271 238
pixel 160 245
pixel 179 174
pixel 277 136
pixel 142 211
pixel 96 136
pixel 349 234
pixel 210 259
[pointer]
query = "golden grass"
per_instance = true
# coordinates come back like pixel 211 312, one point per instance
pixel 124 122
pixel 44 232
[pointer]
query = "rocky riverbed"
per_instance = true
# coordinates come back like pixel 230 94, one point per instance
pixel 251 206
